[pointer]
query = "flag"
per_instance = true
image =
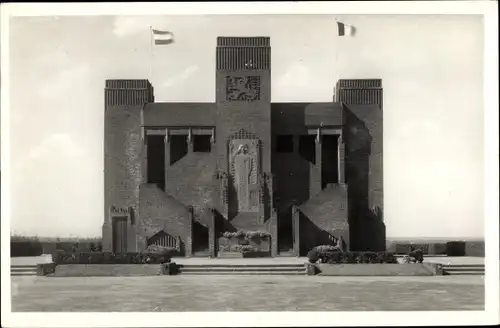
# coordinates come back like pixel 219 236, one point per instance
pixel 162 37
pixel 344 30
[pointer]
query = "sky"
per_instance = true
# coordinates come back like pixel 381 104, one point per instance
pixel 431 67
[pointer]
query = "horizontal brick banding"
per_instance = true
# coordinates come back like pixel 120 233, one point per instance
pixel 225 41
pixel 243 58
pixel 360 83
pixel 128 92
pixel 128 84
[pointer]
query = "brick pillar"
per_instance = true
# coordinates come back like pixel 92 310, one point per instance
pixel 273 227
pixel 341 159
pixel 190 141
pixel 189 232
pixel 316 183
pixel 211 233
pixel 167 156
pixel 262 198
pixel 225 194
pixel 144 155
pixel 296 229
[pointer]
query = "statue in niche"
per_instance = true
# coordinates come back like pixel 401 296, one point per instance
pixel 244 172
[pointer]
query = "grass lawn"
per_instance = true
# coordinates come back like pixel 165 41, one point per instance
pixel 247 293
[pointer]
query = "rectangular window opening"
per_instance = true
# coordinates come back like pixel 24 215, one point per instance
pixel 202 143
pixel 178 147
pixel 284 144
pixel 307 148
pixel 156 160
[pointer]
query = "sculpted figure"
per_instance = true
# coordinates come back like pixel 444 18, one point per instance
pixel 243 167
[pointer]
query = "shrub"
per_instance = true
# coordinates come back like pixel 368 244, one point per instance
pixel 25 248
pixel 246 234
pixel 417 256
pixel 402 248
pixel 474 248
pixel 62 257
pixel 313 255
pixel 332 255
pixel 455 248
pixel 244 249
pixel 437 249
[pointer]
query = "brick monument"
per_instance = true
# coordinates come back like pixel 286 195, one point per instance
pixel 183 174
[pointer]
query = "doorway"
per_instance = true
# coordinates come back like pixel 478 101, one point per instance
pixel 285 233
pixel 119 227
pixel 329 160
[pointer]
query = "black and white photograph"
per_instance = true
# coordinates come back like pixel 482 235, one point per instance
pixel 234 160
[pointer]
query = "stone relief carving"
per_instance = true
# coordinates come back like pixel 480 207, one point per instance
pixel 244 170
pixel 246 88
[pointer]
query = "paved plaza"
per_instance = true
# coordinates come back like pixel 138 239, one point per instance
pixel 247 293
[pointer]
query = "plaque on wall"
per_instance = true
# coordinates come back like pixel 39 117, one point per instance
pixel 242 88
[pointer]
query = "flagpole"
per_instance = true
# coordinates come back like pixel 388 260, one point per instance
pixel 150 51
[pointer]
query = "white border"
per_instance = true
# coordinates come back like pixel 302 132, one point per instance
pixel 252 319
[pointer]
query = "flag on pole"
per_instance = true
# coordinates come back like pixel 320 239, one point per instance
pixel 162 37
pixel 344 30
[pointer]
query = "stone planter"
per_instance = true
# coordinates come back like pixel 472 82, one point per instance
pixel 374 269
pixel 43 269
pixel 235 247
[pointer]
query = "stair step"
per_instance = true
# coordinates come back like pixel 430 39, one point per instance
pixel 241 269
pixel 246 273
pixel 464 273
pixel 286 254
pixel 23 273
pixel 464 269
pixel 464 265
pixel 292 266
pixel 22 269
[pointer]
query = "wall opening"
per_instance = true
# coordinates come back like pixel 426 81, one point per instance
pixel 178 147
pixel 284 144
pixel 156 160
pixel 307 148
pixel 202 143
pixel 119 230
pixel 329 160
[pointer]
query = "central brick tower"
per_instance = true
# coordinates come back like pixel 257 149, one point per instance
pixel 243 97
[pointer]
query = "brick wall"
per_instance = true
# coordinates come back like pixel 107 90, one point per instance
pixel 191 181
pixel 159 211
pixel 324 214
pixel 122 165
pixel 364 173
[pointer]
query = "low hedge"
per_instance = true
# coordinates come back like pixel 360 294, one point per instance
pixel 451 248
pixel 455 248
pixel 25 248
pixel 61 257
pixel 474 248
pixel 335 256
pixel 33 246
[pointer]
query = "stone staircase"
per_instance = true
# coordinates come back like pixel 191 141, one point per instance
pixel 23 270
pixel 329 204
pixel 464 269
pixel 242 269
